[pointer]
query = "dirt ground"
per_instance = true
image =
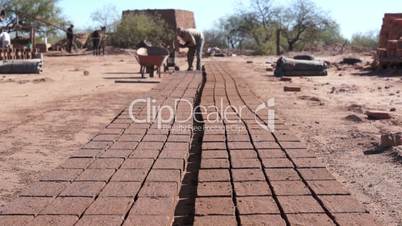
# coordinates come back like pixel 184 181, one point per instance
pixel 45 118
pixel 318 116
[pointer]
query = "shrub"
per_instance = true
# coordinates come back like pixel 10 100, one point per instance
pixel 365 41
pixel 136 28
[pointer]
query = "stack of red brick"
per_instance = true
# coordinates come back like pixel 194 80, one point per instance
pixel 390 47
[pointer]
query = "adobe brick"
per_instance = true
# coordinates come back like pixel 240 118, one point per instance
pixel 329 187
pixel 214 220
pixel 179 139
pixel 109 131
pixel 133 175
pixel 121 189
pixel 215 164
pixel 240 145
pixel 213 146
pixel 99 145
pixel 76 163
pixel 214 206
pixel 254 188
pixel 83 189
pixel 26 206
pixel 156 138
pixel 131 138
pixel 310 219
pixel 277 163
pixel 257 205
pixel 110 206
pixel 243 154
pixel 112 163
pixel 124 145
pixel 300 153
pixel 290 188
pixel 271 153
pixel 316 174
pixel 214 189
pixel 44 189
pixel 159 189
pixel 342 204
pixel 15 220
pixel 68 206
pixel 96 175
pixel 61 175
pixel 100 220
pixel 246 163
pixel 299 204
pixel 223 154
pixel 213 175
pixel 150 145
pixel 282 174
pixel 164 175
pixel 48 220
pixel 116 154
pixel 137 164
pixel 152 206
pixel 213 138
pixel 178 154
pixel 145 154
pixel 240 175
pixel 252 220
pixel 170 164
pixel 308 163
pixel 134 220
pixel 266 145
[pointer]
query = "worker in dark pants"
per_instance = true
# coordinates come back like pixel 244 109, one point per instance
pixel 96 42
pixel 70 38
pixel 194 41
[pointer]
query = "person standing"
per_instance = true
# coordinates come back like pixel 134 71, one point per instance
pixel 5 40
pixel 70 38
pixel 194 41
pixel 96 42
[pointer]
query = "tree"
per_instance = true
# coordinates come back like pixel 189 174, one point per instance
pixel 365 41
pixel 215 38
pixel 301 18
pixel 138 27
pixel 106 16
pixel 45 15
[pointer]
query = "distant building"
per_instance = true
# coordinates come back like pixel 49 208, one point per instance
pixel 390 46
pixel 174 17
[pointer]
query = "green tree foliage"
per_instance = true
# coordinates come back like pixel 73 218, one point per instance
pixel 302 24
pixel 136 28
pixel 44 14
pixel 365 41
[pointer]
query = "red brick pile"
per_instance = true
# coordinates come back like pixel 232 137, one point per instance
pixel 390 46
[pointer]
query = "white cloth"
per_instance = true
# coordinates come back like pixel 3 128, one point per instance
pixel 5 39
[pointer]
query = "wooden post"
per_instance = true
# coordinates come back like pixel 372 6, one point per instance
pixel 33 40
pixel 278 42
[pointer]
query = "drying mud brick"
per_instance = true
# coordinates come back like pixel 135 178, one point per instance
pixel 377 115
pixel 291 89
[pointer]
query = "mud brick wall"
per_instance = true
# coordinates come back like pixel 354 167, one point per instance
pixel 173 17
pixel 390 45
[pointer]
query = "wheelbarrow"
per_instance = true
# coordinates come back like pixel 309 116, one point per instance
pixel 151 59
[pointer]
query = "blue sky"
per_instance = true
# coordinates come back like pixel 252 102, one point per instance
pixel 353 15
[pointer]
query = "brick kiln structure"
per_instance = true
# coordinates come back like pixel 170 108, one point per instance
pixel 174 18
pixel 390 46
